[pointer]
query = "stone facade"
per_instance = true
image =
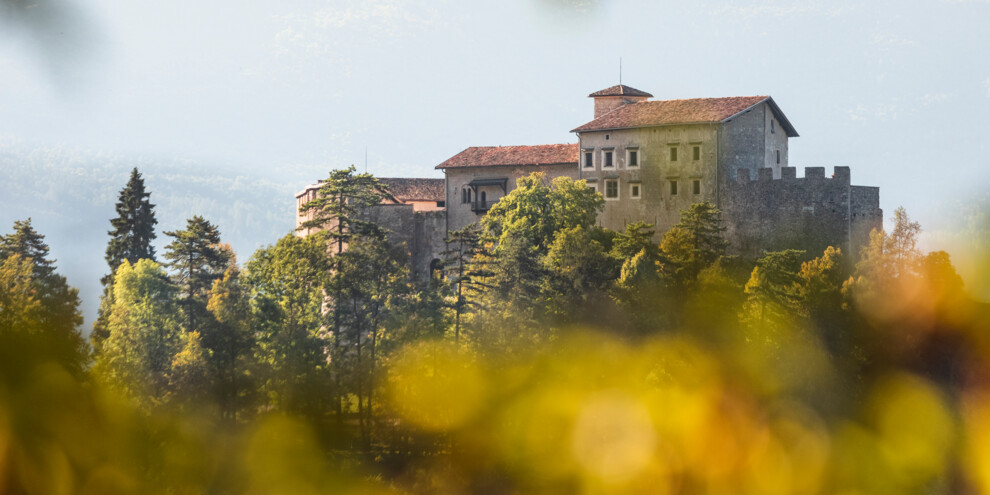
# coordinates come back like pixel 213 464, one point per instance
pixel 809 213
pixel 467 203
pixel 413 214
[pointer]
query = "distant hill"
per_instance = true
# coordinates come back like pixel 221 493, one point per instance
pixel 70 196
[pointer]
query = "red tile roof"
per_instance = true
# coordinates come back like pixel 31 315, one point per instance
pixel 651 113
pixel 620 90
pixel 492 156
pixel 404 189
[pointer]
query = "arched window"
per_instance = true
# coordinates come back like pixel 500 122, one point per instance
pixel 436 269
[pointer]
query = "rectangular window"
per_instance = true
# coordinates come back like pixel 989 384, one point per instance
pixel 633 158
pixel 673 188
pixel 592 187
pixel 589 159
pixel 772 128
pixel 608 159
pixel 697 152
pixel 611 189
pixel 778 157
pixel 673 154
pixel 634 191
pixel 697 187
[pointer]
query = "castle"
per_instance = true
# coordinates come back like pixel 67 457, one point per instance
pixel 650 160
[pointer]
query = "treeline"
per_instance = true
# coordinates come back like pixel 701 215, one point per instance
pixel 546 354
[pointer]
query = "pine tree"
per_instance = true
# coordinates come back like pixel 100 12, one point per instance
pixel 338 211
pixel 28 243
pixel 134 227
pixel 130 240
pixel 58 317
pixel 197 259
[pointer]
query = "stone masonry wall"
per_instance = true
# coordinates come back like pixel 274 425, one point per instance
pixel 810 213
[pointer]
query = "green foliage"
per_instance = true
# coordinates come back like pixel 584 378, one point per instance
pixel 230 340
pixel 197 259
pixel 56 315
pixel 286 284
pixel 579 274
pixel 130 239
pixel 536 212
pixel 339 206
pixel 134 227
pixel 694 244
pixel 144 333
pixel 774 286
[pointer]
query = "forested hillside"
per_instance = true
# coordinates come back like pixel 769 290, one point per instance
pixel 546 355
pixel 69 195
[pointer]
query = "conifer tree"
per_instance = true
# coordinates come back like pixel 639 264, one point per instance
pixel 197 259
pixel 58 317
pixel 338 211
pixel 134 227
pixel 130 240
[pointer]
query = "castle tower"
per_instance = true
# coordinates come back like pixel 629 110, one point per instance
pixel 609 99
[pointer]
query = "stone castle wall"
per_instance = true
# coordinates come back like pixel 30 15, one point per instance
pixel 420 233
pixel 810 213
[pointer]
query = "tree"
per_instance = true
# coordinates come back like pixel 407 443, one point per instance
pixel 520 229
pixel 130 239
pixel 20 309
pixel 134 227
pixel 371 276
pixel 695 243
pixel 144 334
pixel 537 211
pixel 198 259
pixel 286 285
pixel 58 316
pixel 340 211
pixel 773 287
pixel 464 268
pixel 579 274
pixel 230 341
pixel 820 289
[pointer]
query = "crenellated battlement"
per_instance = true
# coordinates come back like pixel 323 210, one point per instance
pixel 809 212
pixel 789 174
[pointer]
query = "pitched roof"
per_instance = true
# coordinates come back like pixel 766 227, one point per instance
pixel 492 156
pixel 405 189
pixel 620 90
pixel 692 111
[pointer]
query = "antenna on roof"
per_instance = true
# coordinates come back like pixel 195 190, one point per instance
pixel 620 71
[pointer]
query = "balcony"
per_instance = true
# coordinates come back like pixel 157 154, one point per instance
pixel 482 206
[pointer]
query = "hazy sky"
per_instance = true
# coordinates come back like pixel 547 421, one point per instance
pixel 898 90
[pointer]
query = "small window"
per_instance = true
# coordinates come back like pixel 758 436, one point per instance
pixel 673 188
pixel 589 159
pixel 464 193
pixel 697 187
pixel 778 157
pixel 606 137
pixel 772 128
pixel 593 187
pixel 697 152
pixel 484 198
pixel 441 204
pixel 673 154
pixel 633 159
pixel 611 189
pixel 634 191
pixel 608 159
